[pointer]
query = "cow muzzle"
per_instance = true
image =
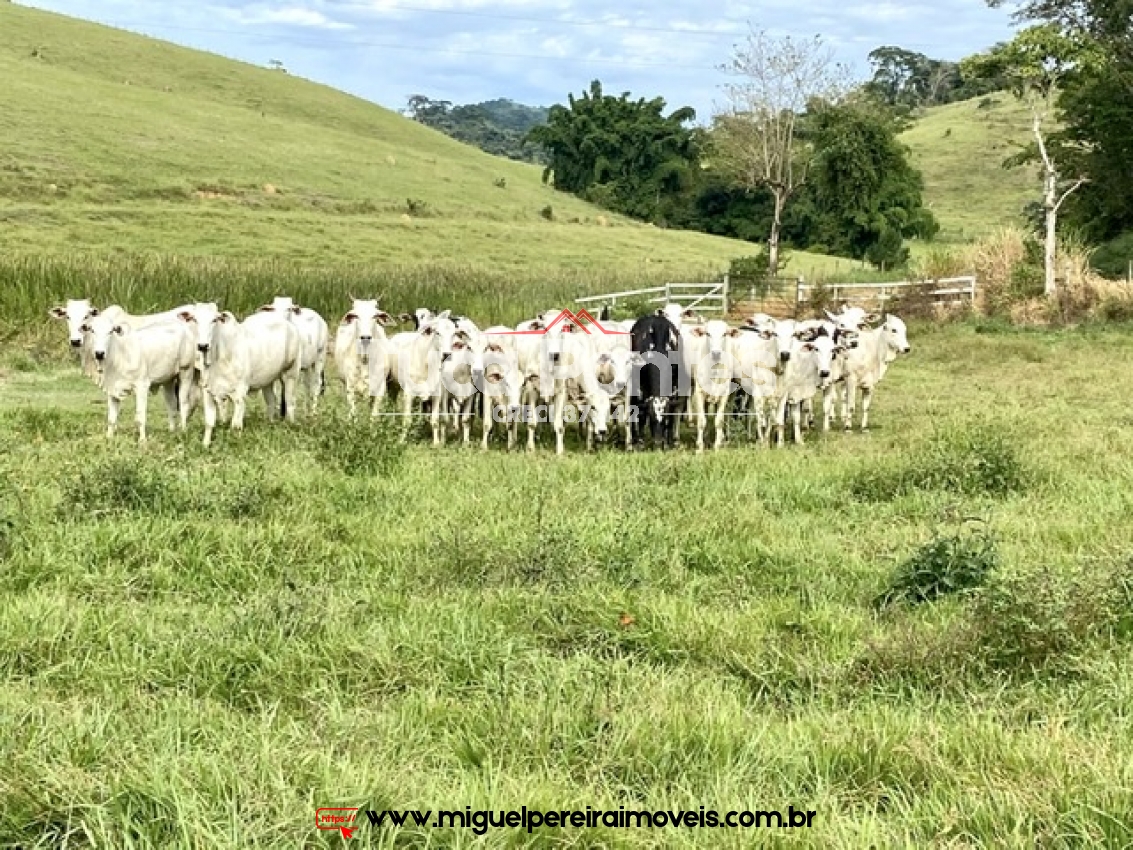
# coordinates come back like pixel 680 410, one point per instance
pixel 717 356
pixel 203 347
pixel 824 374
pixel 100 356
pixel 784 356
pixel 906 349
pixel 75 343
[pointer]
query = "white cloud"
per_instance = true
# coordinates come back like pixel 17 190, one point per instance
pixel 299 16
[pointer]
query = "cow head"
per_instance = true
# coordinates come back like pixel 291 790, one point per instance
pixel 367 319
pixel 716 333
pixel 818 344
pixel 102 330
pixel 206 316
pixel 896 335
pixel 76 313
pixel 676 314
pixel 283 305
pixel 785 334
pixel 440 330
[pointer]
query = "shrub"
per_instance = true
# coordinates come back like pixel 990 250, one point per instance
pixel 118 485
pixel 548 212
pixel 418 208
pixel 978 460
pixel 1112 258
pixel 946 565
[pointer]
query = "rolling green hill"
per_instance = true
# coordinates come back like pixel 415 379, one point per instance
pixel 960 148
pixel 116 142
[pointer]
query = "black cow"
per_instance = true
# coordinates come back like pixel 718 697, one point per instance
pixel 654 339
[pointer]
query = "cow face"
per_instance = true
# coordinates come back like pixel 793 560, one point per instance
pixel 785 335
pixel 895 335
pixel 205 316
pixel 367 319
pixel 716 333
pixel 75 313
pixel 102 330
pixel 676 314
pixel 819 345
pixel 440 330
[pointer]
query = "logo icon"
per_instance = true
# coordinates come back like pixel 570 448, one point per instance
pixel 341 819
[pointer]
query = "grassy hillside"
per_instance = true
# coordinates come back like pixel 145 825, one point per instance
pixel 115 142
pixel 960 149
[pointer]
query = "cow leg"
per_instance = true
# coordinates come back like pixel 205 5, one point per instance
pixel 268 393
pixel 113 405
pixel 239 407
pixel 185 396
pixel 780 420
pixel 867 398
pixel 849 400
pixel 291 393
pixel 721 413
pixel 436 419
pixel 560 426
pixel 210 417
pixel 796 421
pixel 169 391
pixel 406 414
pixel 698 404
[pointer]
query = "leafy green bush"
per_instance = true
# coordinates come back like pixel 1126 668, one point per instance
pixel 1112 258
pixel 948 564
pixel 978 460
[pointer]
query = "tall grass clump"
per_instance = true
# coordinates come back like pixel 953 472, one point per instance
pixel 978 460
pixel 948 564
pixel 29 285
pixel 365 446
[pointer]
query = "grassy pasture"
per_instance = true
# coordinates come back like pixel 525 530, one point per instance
pixel 198 648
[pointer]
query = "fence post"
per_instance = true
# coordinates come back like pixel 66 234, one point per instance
pixel 724 292
pixel 668 292
pixel 799 284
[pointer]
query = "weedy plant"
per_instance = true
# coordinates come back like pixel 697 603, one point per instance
pixel 946 565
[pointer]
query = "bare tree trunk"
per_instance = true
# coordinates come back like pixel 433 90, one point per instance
pixel 1051 207
pixel 773 240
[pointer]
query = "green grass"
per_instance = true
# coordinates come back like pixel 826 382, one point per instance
pixel 960 149
pixel 198 648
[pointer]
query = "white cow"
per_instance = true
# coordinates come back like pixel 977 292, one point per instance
pixel 235 358
pixel 710 359
pixel 415 361
pixel 867 364
pixel 362 353
pixel 756 360
pixel 138 361
pixel 533 356
pixel 315 333
pixel 807 371
pixel 608 393
pixel 484 368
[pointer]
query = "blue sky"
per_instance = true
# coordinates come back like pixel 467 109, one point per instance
pixel 535 51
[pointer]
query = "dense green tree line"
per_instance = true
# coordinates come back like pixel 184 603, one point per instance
pixel 496 126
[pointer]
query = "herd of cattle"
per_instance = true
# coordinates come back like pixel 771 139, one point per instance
pixel 648 373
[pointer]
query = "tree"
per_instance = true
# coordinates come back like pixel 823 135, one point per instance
pixel 755 139
pixel 1095 109
pixel 1033 64
pixel 867 196
pixel 624 154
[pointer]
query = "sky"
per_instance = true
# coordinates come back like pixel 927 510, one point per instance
pixel 536 51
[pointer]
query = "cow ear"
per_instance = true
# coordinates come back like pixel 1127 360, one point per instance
pixel 733 332
pixel 385 318
pixel 118 329
pixel 267 308
pixel 226 316
pixel 57 313
pixel 809 347
pixel 496 347
pixel 185 316
pixel 349 317
pixel 872 318
pixel 443 315
pixel 660 312
pixel 296 309
pixel 94 311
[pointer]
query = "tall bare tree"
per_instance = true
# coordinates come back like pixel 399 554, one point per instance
pixel 755 136
pixel 1033 64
